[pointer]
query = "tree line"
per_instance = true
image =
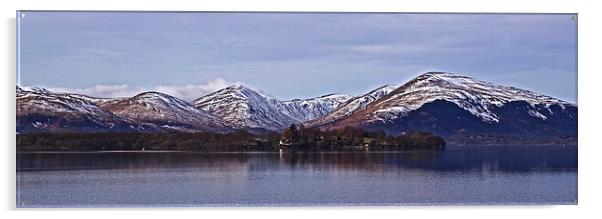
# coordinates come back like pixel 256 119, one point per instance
pixel 293 138
pixel 357 138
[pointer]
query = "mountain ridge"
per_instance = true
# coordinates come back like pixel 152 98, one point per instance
pixel 245 107
pixel 443 103
pixel 398 110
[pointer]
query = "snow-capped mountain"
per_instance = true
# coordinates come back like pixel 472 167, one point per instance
pixel 352 105
pixel 166 111
pixel 43 110
pixel 42 101
pixel 39 109
pixel 246 108
pixel 446 104
pixel 308 109
pixel 477 97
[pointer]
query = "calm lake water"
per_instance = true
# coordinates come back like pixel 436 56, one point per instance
pixel 542 175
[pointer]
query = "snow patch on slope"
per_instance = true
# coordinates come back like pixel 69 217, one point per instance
pixel 167 110
pixel 353 105
pixel 244 107
pixel 477 97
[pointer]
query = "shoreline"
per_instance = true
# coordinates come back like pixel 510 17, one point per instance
pixel 449 148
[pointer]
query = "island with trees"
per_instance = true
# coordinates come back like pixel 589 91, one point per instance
pixel 293 138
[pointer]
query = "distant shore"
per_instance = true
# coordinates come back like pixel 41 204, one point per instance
pixel 336 141
pixel 449 148
pixel 349 139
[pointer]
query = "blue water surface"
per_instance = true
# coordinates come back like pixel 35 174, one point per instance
pixel 457 176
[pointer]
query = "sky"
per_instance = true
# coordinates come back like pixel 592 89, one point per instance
pixel 290 55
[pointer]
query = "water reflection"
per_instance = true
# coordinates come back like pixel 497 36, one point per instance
pixel 530 159
pixel 477 176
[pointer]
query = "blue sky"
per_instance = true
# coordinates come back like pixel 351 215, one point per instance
pixel 291 55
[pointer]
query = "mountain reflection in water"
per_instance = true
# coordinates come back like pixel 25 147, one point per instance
pixel 455 176
pixel 460 159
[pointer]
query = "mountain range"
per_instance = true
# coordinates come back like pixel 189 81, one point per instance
pixel 445 104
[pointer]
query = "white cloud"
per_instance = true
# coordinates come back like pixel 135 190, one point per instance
pixel 193 91
pixel 187 92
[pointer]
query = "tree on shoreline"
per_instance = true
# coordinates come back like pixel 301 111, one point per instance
pixel 316 139
pixel 296 137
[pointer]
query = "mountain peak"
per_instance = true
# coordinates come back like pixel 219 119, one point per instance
pixel 151 94
pixel 166 111
pixel 238 87
pixel 450 78
pixel 245 107
pixel 447 103
pixel 353 104
pixel 475 96
pixel 39 90
pixel 437 73
pixel 238 91
pixel 158 98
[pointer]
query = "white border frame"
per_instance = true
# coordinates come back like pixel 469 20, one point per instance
pixel 588 94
